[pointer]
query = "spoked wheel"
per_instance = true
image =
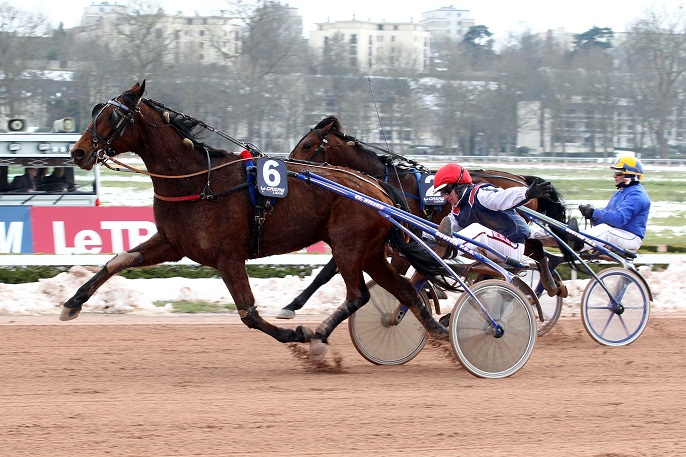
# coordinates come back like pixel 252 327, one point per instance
pixel 551 306
pixel 475 343
pixel 615 327
pixel 377 338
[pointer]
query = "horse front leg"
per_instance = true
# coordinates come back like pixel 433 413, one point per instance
pixel 152 252
pixel 236 279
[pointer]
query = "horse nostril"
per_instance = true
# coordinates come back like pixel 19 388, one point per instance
pixel 77 154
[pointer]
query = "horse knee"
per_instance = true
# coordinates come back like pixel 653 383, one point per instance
pixel 122 261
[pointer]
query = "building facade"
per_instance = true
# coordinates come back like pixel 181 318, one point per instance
pixel 447 22
pixel 210 39
pixel 373 46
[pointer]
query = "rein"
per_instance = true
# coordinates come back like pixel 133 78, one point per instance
pixel 200 196
pixel 155 175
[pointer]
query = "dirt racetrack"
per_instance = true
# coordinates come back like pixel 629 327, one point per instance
pixel 122 385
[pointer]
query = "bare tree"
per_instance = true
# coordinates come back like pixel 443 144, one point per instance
pixel 143 41
pixel 19 47
pixel 656 49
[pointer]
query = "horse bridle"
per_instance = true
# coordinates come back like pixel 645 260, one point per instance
pixel 119 124
pixel 322 146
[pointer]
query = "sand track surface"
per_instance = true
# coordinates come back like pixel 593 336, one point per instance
pixel 121 385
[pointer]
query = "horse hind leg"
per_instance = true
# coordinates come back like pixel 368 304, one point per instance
pixel 402 289
pixel 236 280
pixel 319 344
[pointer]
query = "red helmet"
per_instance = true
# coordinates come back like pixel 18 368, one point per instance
pixel 451 173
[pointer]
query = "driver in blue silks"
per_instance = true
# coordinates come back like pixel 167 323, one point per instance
pixel 623 221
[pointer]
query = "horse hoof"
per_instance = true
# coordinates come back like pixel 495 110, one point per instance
pixel 563 293
pixel 318 350
pixel 285 314
pixel 69 314
pixel 304 334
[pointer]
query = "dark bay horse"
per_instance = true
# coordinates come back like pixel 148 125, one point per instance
pixel 203 211
pixel 327 143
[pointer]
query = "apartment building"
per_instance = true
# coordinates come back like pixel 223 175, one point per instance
pixel 210 39
pixel 447 22
pixel 374 46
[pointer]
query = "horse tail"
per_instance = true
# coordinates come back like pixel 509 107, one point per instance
pixel 422 261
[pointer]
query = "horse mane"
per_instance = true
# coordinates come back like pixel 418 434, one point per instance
pixel 371 150
pixel 186 126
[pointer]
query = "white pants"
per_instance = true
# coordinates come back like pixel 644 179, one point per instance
pixel 493 240
pixel 618 237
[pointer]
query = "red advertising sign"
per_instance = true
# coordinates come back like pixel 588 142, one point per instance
pixel 90 230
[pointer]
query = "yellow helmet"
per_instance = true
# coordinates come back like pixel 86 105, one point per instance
pixel 630 166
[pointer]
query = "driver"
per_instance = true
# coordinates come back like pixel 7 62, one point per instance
pixel 486 214
pixel 623 221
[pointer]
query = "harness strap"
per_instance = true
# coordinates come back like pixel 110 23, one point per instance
pixel 259 201
pixel 201 196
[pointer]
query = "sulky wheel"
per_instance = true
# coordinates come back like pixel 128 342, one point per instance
pixel 478 347
pixel 615 327
pixel 375 335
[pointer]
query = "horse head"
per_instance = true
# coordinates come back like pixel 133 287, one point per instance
pixel 109 134
pixel 324 137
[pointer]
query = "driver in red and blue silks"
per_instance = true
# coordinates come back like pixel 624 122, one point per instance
pixel 486 213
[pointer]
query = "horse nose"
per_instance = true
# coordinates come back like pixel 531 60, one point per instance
pixel 77 154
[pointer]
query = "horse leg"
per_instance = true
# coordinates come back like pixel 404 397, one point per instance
pixel 357 294
pixel 402 289
pixel 399 263
pixel 236 279
pixel 324 276
pixel 155 250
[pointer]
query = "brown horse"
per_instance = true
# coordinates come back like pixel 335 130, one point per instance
pixel 327 143
pixel 203 211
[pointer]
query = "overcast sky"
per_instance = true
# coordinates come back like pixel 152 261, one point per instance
pixel 500 16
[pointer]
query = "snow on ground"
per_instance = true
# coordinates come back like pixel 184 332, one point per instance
pixel 121 295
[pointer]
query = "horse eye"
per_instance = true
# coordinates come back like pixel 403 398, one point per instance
pixel 96 109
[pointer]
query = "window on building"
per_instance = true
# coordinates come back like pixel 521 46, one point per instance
pixel 201 33
pixel 353 38
pixel 379 26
